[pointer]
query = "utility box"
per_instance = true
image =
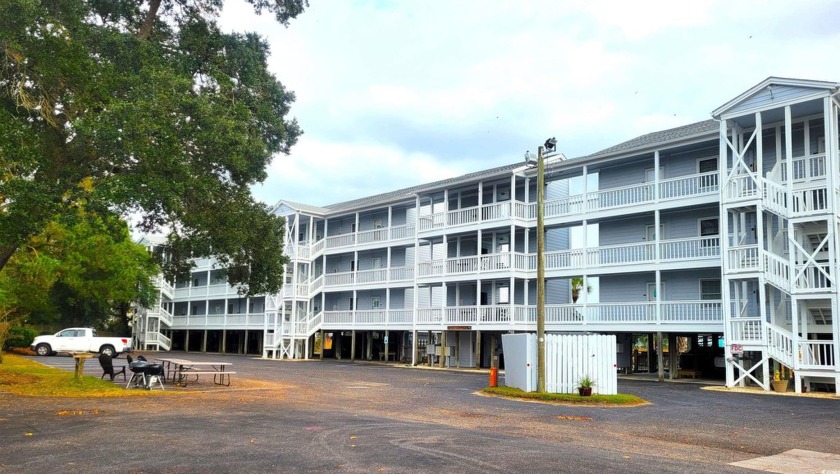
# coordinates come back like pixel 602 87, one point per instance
pixel 520 361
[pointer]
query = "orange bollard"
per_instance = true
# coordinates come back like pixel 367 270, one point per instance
pixel 494 377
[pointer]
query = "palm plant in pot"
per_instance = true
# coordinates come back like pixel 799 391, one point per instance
pixel 585 385
pixel 577 285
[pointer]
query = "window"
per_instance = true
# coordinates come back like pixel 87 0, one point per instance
pixel 375 302
pixel 707 165
pixel 504 295
pixel 376 262
pixel 709 227
pixel 710 289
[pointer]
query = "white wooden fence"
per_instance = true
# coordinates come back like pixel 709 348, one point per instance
pixel 569 358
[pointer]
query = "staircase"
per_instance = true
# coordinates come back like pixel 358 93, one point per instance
pixel 279 338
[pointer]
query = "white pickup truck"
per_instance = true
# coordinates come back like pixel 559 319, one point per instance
pixel 80 340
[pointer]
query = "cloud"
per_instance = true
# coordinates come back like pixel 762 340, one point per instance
pixel 394 94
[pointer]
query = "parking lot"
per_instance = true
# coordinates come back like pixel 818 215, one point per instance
pixel 314 416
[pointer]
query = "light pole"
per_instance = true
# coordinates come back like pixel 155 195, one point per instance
pixel 549 146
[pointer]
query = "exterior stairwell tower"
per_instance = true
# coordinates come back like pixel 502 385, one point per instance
pixel 780 215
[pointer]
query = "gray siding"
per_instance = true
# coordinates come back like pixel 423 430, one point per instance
pixel 624 175
pixel 624 231
pixel 684 224
pixel 765 98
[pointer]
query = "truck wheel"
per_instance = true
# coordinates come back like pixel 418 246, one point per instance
pixel 43 350
pixel 107 350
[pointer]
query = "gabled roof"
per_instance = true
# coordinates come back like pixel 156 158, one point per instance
pixel 763 94
pixel 395 196
pixel 315 210
pixel 649 140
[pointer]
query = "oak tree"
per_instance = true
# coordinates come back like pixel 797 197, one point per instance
pixel 144 108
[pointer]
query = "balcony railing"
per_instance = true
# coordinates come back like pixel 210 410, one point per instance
pixel 559 316
pixel 813 277
pixel 241 320
pixel 746 330
pixel 817 354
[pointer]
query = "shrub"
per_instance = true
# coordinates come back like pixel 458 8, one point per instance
pixel 19 336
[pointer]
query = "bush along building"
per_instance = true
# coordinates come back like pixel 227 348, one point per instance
pixel 709 250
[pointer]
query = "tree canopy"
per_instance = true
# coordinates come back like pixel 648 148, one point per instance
pixel 146 109
pixel 82 270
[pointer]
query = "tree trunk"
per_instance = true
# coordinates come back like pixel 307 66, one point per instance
pixel 5 254
pixel 146 28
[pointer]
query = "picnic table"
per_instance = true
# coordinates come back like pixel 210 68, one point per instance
pixel 179 371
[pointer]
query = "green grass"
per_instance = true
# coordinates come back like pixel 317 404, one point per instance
pixel 620 399
pixel 24 377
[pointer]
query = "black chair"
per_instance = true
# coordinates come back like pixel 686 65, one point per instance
pixel 107 364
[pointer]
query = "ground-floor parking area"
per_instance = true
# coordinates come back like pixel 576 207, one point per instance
pixel 317 416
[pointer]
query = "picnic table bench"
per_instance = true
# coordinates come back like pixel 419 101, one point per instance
pixel 179 371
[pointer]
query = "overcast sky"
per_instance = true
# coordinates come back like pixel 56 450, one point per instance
pixel 392 94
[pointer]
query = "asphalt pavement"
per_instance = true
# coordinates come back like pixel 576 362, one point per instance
pixel 317 416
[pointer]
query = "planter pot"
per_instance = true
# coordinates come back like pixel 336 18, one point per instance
pixel 585 391
pixel 779 385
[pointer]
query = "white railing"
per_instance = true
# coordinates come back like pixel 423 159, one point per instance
pixel 780 345
pixel 775 197
pixel 302 251
pixel 429 315
pixel 462 216
pixel 316 285
pixel 816 354
pixel 372 276
pixel 691 311
pixel 433 221
pixel 434 268
pixel 674 188
pixel 164 286
pixel 238 320
pixel 562 207
pixel 805 168
pixel 690 248
pixel 741 186
pixel 461 265
pixel 622 196
pixel 369 236
pixel 338 279
pixel 813 277
pixel 522 210
pixel 162 341
pixel 642 311
pixel 402 232
pixel 401 273
pixel 776 270
pixel 620 254
pixel 318 247
pixel 810 201
pixel 341 240
pixel 560 314
pixel 495 211
pixel 746 330
pixel 563 259
pixel 524 262
pixel 744 258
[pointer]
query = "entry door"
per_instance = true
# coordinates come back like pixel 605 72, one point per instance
pixel 650 236
pixel 652 296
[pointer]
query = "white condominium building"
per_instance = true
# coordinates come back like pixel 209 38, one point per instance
pixel 709 250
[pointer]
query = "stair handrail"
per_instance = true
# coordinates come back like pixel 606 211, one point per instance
pixel 780 345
